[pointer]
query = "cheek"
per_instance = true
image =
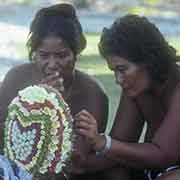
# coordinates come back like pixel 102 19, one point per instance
pixel 143 81
pixel 43 65
pixel 40 63
pixel 70 63
pixel 68 66
pixel 132 77
pixel 136 77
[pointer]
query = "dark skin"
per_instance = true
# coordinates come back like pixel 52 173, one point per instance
pixel 142 100
pixel 55 60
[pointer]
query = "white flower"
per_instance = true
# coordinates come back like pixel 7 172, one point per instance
pixel 59 167
pixel 33 94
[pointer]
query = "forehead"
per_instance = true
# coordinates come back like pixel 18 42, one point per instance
pixel 52 42
pixel 116 61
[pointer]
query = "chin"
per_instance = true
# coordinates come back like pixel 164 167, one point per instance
pixel 133 94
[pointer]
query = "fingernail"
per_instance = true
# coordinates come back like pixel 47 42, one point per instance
pixel 57 73
pixel 61 80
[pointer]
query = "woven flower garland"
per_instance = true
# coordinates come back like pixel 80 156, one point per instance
pixel 38 130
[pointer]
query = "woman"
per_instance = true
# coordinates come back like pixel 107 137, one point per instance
pixel 144 65
pixel 55 41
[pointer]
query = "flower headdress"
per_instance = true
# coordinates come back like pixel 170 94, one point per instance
pixel 38 130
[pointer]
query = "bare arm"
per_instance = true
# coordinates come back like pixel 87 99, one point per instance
pixel 164 150
pixel 16 79
pixel 7 92
pixel 128 125
pixel 93 99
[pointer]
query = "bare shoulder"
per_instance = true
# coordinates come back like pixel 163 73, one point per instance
pixel 89 83
pixel 17 78
pixel 21 69
pixel 20 74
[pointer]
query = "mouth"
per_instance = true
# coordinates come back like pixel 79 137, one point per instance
pixel 128 89
pixel 125 87
pixel 48 72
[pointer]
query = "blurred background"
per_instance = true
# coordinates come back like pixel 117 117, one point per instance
pixel 16 15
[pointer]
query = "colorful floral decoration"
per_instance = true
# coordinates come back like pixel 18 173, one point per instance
pixel 38 130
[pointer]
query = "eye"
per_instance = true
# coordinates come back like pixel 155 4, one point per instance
pixel 121 69
pixel 43 55
pixel 61 55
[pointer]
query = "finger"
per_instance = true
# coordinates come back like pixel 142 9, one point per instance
pixel 84 132
pixel 50 83
pixel 85 125
pixel 51 77
pixel 58 84
pixel 85 113
pixel 85 117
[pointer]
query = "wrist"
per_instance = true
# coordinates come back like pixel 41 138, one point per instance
pixel 105 146
pixel 100 142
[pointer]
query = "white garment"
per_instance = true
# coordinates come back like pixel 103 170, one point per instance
pixel 8 172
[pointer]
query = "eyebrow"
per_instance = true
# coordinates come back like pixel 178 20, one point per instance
pixel 121 66
pixel 118 67
pixel 46 51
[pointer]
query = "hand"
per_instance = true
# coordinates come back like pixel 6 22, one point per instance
pixel 86 125
pixel 54 80
pixel 78 163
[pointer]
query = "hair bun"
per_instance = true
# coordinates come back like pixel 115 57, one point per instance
pixel 63 9
pixel 60 20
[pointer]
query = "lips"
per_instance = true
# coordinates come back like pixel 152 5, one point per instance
pixel 128 90
pixel 50 71
pixel 125 87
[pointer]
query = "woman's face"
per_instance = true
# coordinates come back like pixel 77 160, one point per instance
pixel 53 56
pixel 134 79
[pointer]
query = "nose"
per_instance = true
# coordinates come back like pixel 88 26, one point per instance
pixel 119 78
pixel 51 63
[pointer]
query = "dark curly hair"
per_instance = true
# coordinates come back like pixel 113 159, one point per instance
pixel 59 20
pixel 139 41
